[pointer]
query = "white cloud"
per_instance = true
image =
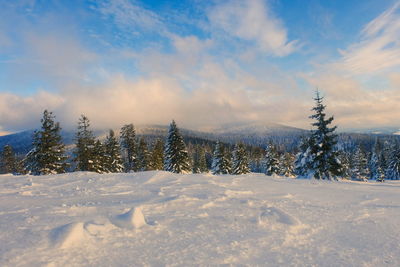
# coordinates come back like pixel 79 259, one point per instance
pixel 353 105
pixel 191 83
pixel 131 16
pixel 252 20
pixel 379 47
pixel 362 86
pixel 17 112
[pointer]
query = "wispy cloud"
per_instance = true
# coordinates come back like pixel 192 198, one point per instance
pixel 131 16
pixel 362 86
pixel 379 47
pixel 253 21
pixel 19 112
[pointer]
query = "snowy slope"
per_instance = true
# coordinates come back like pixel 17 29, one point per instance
pixel 159 218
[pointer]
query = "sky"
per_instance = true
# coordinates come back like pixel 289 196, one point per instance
pixel 203 63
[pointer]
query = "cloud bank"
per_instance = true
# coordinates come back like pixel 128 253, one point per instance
pixel 200 80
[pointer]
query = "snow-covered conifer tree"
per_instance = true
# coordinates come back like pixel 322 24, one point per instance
pixel 271 162
pixel 199 160
pixel 99 158
pixel 128 142
pixel 48 153
pixel 359 165
pixel 220 163
pixel 202 161
pixel 321 152
pixel 176 158
pixel 345 160
pixel 157 156
pixel 257 160
pixel 286 166
pixel 84 154
pixel 113 153
pixel 393 170
pixel 240 160
pixel 8 160
pixel 304 159
pixel 376 172
pixel 143 156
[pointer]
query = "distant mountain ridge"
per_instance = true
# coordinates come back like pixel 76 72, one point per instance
pixel 252 134
pixel 257 134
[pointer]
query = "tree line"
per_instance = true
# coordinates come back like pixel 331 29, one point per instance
pixel 319 154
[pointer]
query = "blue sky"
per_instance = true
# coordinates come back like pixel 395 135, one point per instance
pixel 203 63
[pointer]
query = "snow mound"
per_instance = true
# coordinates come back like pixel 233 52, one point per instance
pixel 69 235
pixel 159 177
pixel 235 193
pixel 133 219
pixel 274 217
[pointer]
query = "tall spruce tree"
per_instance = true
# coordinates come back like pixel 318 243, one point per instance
pixel 376 172
pixel 157 156
pixel 271 162
pixel 345 162
pixel 99 158
pixel 393 170
pixel 84 150
pixel 143 157
pixel 321 151
pixel 199 160
pixel 359 165
pixel 257 160
pixel 220 162
pixel 8 161
pixel 128 142
pixel 286 165
pixel 113 153
pixel 384 156
pixel 303 166
pixel 240 160
pixel 48 153
pixel 176 158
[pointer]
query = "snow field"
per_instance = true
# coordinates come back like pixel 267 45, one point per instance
pixel 160 218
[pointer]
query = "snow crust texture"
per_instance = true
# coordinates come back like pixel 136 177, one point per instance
pixel 164 219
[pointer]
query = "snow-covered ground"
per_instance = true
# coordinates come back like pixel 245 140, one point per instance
pixel 159 218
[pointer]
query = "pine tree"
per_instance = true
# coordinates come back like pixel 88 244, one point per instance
pixel 393 170
pixel 376 172
pixel 286 165
pixel 271 162
pixel 257 160
pixel 199 160
pixel 345 160
pixel 143 156
pixel 8 161
pixel 48 153
pixel 99 158
pixel 384 156
pixel 176 158
pixel 113 153
pixel 304 159
pixel 84 150
pixel 157 156
pixel 240 160
pixel 359 165
pixel 324 162
pixel 220 162
pixel 128 142
pixel 203 161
